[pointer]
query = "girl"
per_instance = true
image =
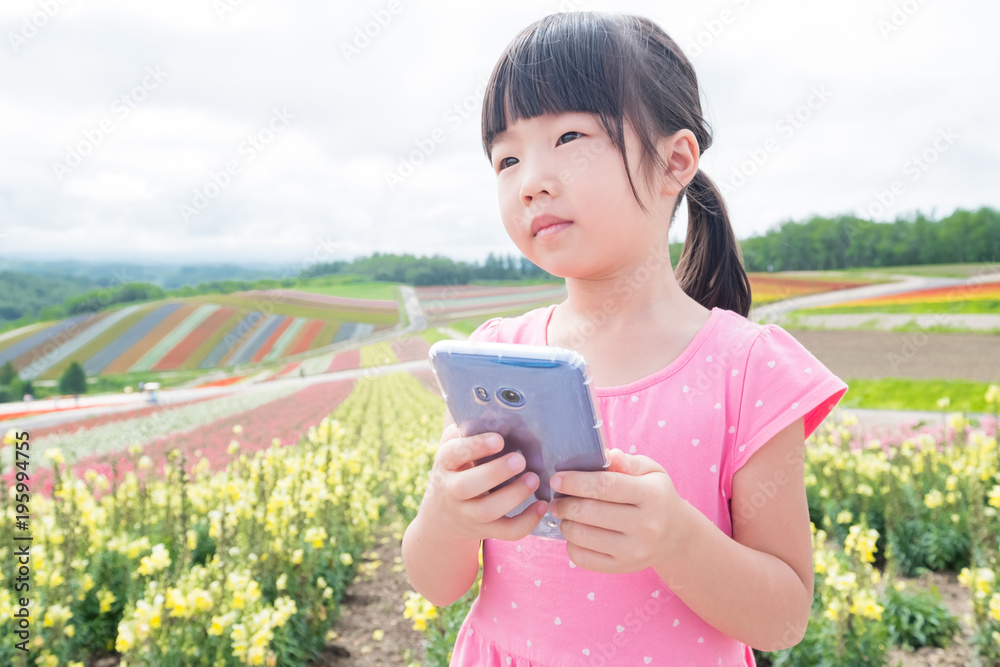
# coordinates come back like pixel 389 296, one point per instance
pixel 695 545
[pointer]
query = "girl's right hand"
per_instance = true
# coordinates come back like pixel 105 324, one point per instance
pixel 458 501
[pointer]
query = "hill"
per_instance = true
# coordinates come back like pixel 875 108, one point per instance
pixel 199 332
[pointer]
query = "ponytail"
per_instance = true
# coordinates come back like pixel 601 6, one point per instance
pixel 710 269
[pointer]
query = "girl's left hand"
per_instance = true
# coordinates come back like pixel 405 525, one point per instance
pixel 625 519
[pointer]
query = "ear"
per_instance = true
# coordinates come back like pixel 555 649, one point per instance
pixel 680 154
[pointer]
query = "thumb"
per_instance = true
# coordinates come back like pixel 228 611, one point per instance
pixel 632 464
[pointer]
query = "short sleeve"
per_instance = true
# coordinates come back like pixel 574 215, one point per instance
pixel 782 382
pixel 486 332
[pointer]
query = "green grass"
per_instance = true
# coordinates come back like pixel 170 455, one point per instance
pixel 467 326
pixel 909 394
pixel 434 335
pixel 349 287
pixel 964 307
pixel 912 326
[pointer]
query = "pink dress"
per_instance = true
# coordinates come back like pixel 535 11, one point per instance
pixel 735 387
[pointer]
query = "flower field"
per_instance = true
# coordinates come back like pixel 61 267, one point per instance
pixel 234 542
pixel 768 287
pixel 242 566
pixel 972 298
pixel 196 332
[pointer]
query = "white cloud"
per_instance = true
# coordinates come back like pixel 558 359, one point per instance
pixel 416 75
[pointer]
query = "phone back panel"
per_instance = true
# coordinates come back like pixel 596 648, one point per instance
pixel 551 417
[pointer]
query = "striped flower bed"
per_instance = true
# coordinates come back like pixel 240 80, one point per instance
pixel 345 361
pixel 19 353
pixel 307 335
pixel 76 343
pixel 319 363
pixel 296 297
pixel 233 339
pixel 245 352
pixel 766 287
pixel 974 292
pixel 94 347
pixel 268 344
pixel 173 337
pixel 224 382
pixel 102 361
pixel 179 354
pixel 114 437
pixel 281 345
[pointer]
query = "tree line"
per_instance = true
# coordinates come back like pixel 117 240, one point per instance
pixel 846 241
pixel 435 270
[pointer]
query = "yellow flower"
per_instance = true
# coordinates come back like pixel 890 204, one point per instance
pixel 316 535
pixel 994 495
pixel 11 437
pixel 866 606
pixel 995 607
pixel 158 560
pixel 865 490
pixel 845 517
pixel 297 556
pixel 943 402
pixel 69 631
pixel 126 638
pixel 106 598
pixel 55 455
pixel 237 429
pixel 993 394
pixel 378 635
pixel 419 609
pixel 346 559
pixel 862 542
pixel 934 499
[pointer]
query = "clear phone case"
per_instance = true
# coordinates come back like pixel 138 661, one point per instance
pixel 539 398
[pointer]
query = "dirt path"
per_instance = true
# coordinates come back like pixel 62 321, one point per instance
pixel 879 354
pixel 375 602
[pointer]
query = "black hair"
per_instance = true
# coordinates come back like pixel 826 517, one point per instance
pixel 623 67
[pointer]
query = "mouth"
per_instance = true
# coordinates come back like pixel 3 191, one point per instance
pixel 548 222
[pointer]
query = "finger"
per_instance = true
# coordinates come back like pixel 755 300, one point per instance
pixel 476 481
pixel 588 559
pixel 450 432
pixel 630 464
pixel 520 526
pixel 613 487
pixel 459 453
pixel 610 516
pixel 592 538
pixel 493 506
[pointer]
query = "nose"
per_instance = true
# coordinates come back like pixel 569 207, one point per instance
pixel 539 178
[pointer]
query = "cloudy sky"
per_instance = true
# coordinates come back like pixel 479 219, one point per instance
pixel 267 131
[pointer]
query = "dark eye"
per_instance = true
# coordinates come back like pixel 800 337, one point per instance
pixel 577 134
pixel 504 163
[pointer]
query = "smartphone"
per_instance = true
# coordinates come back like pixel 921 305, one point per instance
pixel 539 398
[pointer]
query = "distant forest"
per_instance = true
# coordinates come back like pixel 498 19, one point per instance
pixel 847 242
pixel 816 244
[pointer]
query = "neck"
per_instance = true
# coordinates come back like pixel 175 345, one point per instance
pixel 641 295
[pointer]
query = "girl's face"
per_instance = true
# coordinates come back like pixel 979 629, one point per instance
pixel 564 166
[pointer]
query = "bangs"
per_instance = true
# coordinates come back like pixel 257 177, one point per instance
pixel 568 62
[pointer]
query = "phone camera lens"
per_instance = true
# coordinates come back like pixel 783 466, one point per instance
pixel 482 394
pixel 510 396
